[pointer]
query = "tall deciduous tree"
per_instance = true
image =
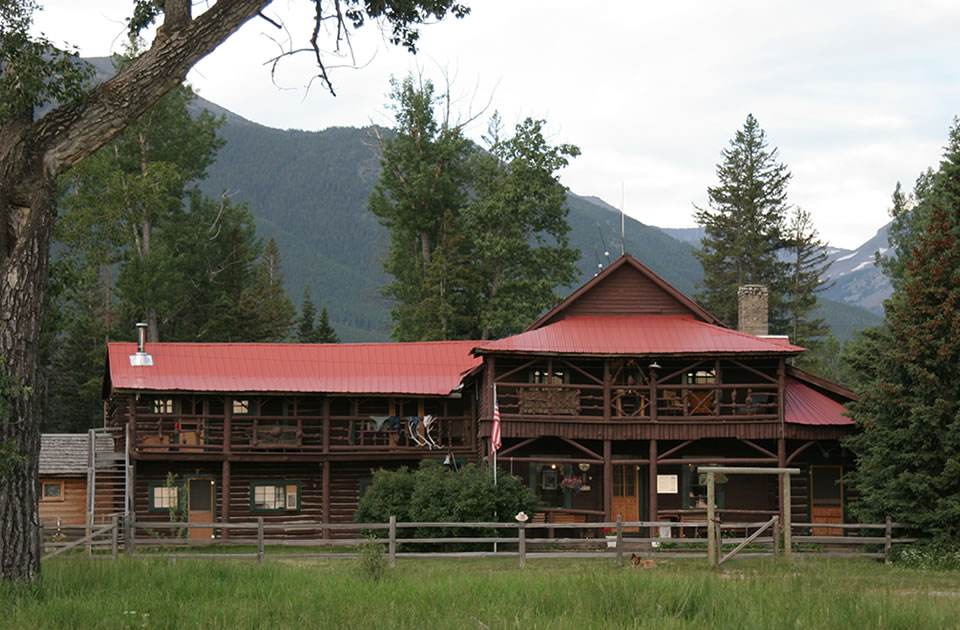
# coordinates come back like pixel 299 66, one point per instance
pixel 744 226
pixel 423 186
pixel 908 454
pixel 808 264
pixel 495 223
pixel 35 151
pixel 518 219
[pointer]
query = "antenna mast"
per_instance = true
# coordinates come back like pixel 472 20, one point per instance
pixel 622 244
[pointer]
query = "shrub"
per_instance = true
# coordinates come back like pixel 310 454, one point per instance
pixel 434 494
pixel 372 563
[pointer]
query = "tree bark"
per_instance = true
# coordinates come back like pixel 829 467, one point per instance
pixel 32 155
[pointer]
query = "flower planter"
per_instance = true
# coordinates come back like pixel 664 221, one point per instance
pixel 612 542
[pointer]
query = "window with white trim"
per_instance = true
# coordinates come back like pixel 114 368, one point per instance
pixel 164 497
pixel 274 496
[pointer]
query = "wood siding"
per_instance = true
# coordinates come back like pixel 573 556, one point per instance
pixel 625 292
pixel 71 509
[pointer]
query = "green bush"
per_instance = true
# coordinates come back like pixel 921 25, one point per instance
pixel 434 494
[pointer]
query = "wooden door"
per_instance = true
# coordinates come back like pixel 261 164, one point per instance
pixel 200 505
pixel 826 499
pixel 626 494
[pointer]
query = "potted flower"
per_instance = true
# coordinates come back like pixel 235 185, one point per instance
pixel 611 535
pixel 574 484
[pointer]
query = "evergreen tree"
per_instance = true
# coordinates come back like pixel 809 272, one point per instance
pixel 325 330
pixel 908 454
pixel 808 264
pixel 307 323
pixel 744 227
pixel 269 313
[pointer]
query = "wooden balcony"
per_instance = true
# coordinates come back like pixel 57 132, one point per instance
pixel 671 402
pixel 204 435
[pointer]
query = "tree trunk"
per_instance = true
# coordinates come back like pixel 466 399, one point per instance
pixel 32 155
pixel 23 282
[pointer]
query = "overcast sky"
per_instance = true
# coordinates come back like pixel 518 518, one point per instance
pixel 856 95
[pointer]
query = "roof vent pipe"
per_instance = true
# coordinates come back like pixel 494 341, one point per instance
pixel 141 358
pixel 141 337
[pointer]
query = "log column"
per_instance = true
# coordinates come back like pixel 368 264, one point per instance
pixel 608 478
pixel 652 487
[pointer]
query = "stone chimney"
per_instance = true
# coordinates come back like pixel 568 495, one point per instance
pixel 752 315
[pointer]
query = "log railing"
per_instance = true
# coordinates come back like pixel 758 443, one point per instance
pixel 293 434
pixel 671 402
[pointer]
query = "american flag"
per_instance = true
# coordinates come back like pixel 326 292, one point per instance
pixel 495 434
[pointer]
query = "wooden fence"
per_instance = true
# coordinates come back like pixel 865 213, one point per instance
pixel 519 540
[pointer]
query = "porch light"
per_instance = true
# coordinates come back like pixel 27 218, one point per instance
pixel 654 366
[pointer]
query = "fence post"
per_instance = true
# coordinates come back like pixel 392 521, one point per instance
pixel 711 520
pixel 620 539
pixel 787 516
pixel 392 547
pixel 114 536
pixel 129 534
pixel 522 544
pixel 888 540
pixel 259 540
pixel 776 540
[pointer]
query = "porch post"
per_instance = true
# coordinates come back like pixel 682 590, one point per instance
pixel 711 519
pixel 607 412
pixel 784 505
pixel 325 497
pixel 608 478
pixel 652 487
pixel 225 497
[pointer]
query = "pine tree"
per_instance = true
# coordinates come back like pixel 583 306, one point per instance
pixel 307 325
pixel 908 454
pixel 744 226
pixel 265 306
pixel 325 331
pixel 808 264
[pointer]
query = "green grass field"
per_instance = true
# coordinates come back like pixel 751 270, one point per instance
pixel 82 592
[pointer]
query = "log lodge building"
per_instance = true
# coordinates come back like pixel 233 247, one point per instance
pixel 608 402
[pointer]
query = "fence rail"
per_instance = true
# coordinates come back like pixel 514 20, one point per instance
pixel 519 540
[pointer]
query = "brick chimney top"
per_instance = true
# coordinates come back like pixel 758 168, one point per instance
pixel 752 315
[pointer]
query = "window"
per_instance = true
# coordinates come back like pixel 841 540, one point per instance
pixel 275 496
pixel 161 406
pixel 163 497
pixel 52 491
pixel 701 377
pixel 241 406
pixel 542 376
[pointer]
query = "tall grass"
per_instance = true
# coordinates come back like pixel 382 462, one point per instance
pixel 82 592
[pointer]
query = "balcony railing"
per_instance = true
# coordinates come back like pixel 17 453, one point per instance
pixel 285 434
pixel 672 402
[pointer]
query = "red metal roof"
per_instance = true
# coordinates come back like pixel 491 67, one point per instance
pixel 426 368
pixel 805 405
pixel 636 335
